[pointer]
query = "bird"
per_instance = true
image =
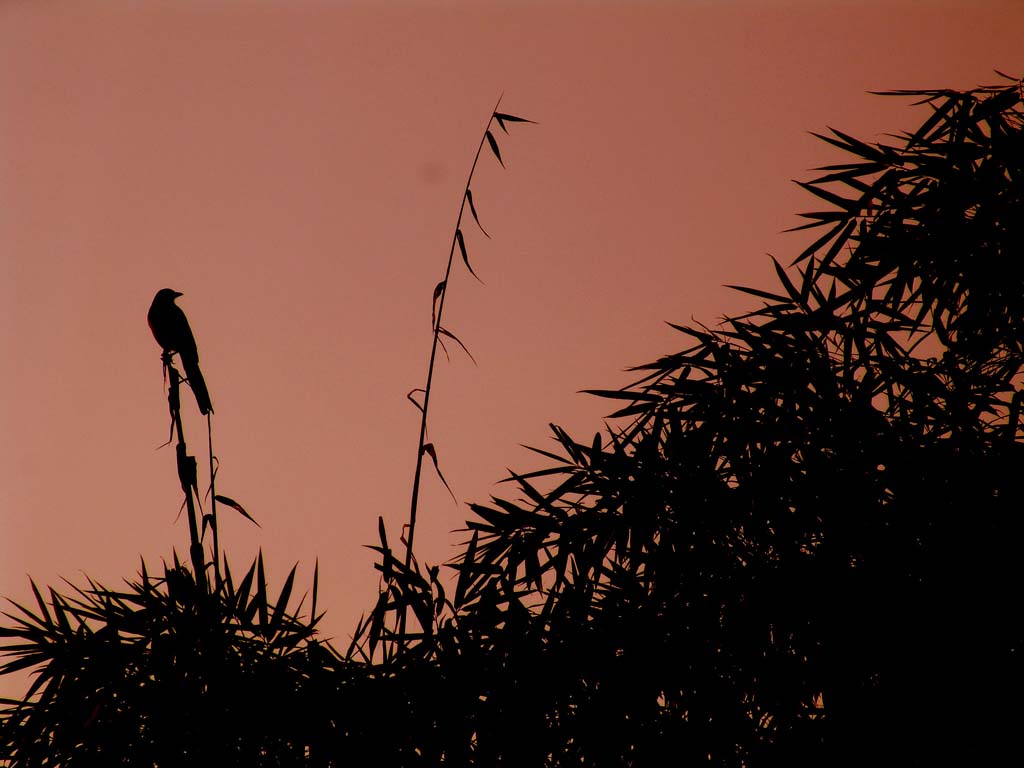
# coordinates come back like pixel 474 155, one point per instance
pixel 171 330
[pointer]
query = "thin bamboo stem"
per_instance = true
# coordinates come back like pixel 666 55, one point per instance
pixel 418 474
pixel 213 504
pixel 433 348
pixel 186 476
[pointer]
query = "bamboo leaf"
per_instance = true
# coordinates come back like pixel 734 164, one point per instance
pixel 468 561
pixel 842 230
pixel 465 256
pixel 549 454
pixel 281 606
pixel 621 394
pixel 439 290
pixel 503 117
pixel 794 293
pixel 921 135
pixel 807 282
pixel 59 612
pixel 316 585
pixel 842 234
pixel 775 297
pixel 494 147
pixel 453 337
pixel 847 204
pixel 413 400
pixel 819 219
pixel 229 502
pixel 428 449
pixel 854 146
pixel 261 593
pixel 44 614
pixel 472 210
pixel 244 587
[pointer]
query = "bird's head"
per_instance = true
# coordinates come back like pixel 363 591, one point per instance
pixel 167 295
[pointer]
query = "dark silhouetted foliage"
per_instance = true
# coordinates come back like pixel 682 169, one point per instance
pixel 799 542
pixel 796 544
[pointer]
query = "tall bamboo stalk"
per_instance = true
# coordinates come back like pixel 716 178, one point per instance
pixel 438 330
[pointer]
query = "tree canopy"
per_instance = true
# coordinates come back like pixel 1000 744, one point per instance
pixel 795 543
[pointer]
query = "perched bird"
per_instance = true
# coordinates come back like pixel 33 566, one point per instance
pixel 172 332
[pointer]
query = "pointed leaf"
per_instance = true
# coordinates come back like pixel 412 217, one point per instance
pixel 444 348
pixel 429 450
pixel 494 147
pixel 794 294
pixel 619 394
pixel 227 582
pixel 282 602
pixel 472 209
pixel 807 282
pixel 465 256
pixel 44 614
pixel 242 594
pixel 453 337
pixel 229 502
pixel 438 292
pixel 842 229
pixel 844 203
pixel 843 236
pixel 774 297
pixel 59 614
pixel 413 400
pixel 468 561
pixel 503 118
pixel 316 586
pixel 261 592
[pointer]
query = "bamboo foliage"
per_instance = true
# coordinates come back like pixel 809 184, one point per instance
pixel 404 587
pixel 162 669
pixel 790 519
pixel 795 543
pixel 172 669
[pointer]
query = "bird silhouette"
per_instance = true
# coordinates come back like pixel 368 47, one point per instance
pixel 172 332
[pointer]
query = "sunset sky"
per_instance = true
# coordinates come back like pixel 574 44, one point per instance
pixel 295 169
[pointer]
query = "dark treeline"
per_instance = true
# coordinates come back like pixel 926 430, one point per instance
pixel 797 544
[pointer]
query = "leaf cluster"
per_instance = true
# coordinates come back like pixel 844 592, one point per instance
pixel 162 672
pixel 795 544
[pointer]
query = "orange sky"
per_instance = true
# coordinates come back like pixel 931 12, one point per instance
pixel 295 169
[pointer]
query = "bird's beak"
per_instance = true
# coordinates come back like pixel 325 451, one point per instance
pixel 178 293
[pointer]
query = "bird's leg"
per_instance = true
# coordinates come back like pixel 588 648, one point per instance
pixel 166 358
pixel 173 396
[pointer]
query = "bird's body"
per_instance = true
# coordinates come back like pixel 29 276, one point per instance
pixel 172 332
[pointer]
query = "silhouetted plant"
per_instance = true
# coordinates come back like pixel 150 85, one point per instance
pixel 168 669
pixel 403 585
pixel 174 670
pixel 797 543
pixel 162 672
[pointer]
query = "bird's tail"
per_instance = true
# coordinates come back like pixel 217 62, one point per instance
pixel 198 384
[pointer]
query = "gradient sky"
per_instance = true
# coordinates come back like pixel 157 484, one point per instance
pixel 295 169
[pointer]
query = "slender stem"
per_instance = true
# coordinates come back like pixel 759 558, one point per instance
pixel 434 345
pixel 186 475
pixel 213 504
pixel 430 372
